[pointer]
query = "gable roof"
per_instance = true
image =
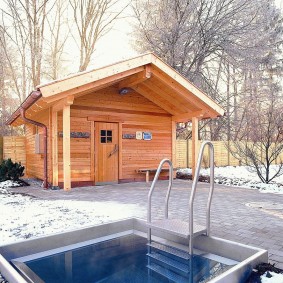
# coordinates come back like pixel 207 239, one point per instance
pixel 146 74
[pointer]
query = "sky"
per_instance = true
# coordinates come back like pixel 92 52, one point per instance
pixel 116 45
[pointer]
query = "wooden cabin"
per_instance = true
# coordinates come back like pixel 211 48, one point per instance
pixel 105 125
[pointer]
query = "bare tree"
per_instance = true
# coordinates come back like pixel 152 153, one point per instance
pixel 14 53
pixel 93 19
pixel 201 38
pixel 55 43
pixel 261 140
pixel 187 33
pixel 7 102
pixel 28 19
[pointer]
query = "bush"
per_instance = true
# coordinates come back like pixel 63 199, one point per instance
pixel 10 170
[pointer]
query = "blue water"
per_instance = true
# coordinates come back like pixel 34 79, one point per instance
pixel 118 260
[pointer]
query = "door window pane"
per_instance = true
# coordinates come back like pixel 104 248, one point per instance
pixel 105 136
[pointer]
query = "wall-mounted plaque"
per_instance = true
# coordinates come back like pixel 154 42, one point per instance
pixel 129 136
pixel 139 135
pixel 80 135
pixel 147 136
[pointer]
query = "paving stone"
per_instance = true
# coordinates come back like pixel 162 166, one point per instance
pixel 231 218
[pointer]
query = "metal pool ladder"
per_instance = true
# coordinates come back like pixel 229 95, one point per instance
pixel 179 227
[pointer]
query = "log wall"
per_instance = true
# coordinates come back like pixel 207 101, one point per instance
pixel 134 113
pixel 35 161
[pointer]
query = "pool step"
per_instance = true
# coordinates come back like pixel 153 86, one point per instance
pixel 170 250
pixel 170 262
pixel 177 227
pixel 167 273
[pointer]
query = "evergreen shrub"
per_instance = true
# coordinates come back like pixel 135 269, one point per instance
pixel 10 170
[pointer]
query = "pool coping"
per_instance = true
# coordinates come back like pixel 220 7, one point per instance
pixel 247 256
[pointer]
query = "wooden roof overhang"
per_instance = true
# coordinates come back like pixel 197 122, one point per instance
pixel 146 74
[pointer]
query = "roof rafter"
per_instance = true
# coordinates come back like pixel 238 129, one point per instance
pixel 153 97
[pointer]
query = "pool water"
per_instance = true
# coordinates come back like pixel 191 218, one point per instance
pixel 126 259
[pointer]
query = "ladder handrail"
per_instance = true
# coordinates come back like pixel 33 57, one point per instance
pixel 162 162
pixel 211 189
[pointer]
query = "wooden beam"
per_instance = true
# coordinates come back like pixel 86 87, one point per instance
pixel 92 150
pixel 96 146
pixel 84 78
pixel 153 97
pixel 62 103
pixel 194 144
pixel 184 93
pixel 168 97
pixel 93 86
pixel 136 79
pixel 118 110
pixel 106 118
pixel 185 117
pixel 174 157
pixel 170 72
pixel 55 149
pixel 120 161
pixel 67 147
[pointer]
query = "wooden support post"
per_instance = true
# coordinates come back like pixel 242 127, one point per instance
pixel 54 149
pixel 194 144
pixel 120 133
pixel 147 176
pixel 66 147
pixel 174 157
pixel 92 150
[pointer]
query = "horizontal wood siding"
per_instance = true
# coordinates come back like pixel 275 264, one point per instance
pixel 80 151
pixel 35 161
pixel 136 113
pixel 146 154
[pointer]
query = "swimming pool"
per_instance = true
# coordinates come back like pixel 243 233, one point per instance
pixel 128 258
pixel 123 244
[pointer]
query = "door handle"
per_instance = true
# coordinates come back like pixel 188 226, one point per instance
pixel 116 148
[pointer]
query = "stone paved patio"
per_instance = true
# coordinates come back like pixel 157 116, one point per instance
pixel 231 217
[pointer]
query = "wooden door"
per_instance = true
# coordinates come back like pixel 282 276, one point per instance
pixel 106 153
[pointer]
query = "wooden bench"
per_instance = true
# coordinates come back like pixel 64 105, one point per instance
pixel 147 171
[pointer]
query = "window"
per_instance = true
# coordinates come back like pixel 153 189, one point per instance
pixel 105 136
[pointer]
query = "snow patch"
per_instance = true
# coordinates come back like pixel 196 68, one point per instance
pixel 241 176
pixel 271 277
pixel 9 184
pixel 23 217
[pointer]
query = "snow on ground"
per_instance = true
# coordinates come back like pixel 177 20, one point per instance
pixel 271 277
pixel 23 217
pixel 8 184
pixel 241 176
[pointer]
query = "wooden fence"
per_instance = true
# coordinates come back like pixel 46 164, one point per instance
pixel 222 157
pixel 14 147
